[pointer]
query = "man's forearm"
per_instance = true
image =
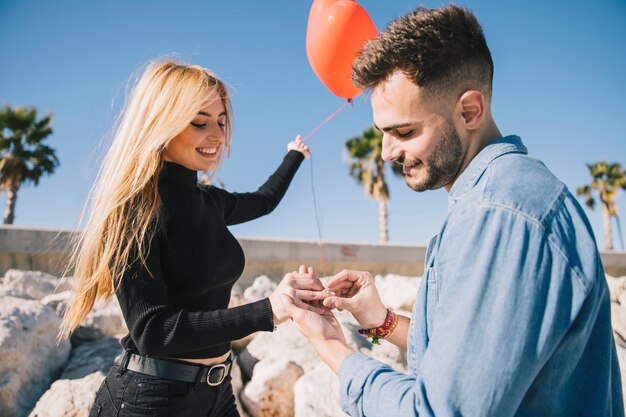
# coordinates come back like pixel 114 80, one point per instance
pixel 333 352
pixel 400 335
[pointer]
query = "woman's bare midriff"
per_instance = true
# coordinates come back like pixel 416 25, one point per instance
pixel 209 361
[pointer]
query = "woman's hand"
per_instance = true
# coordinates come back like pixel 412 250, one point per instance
pixel 355 291
pixel 298 145
pixel 304 288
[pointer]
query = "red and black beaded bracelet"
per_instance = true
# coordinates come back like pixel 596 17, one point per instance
pixel 383 331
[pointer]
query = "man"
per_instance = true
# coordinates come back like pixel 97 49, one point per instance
pixel 513 314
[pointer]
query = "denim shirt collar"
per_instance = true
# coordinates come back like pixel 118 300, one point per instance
pixel 469 177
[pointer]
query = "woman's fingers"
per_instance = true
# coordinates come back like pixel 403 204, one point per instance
pixel 310 295
pixel 307 284
pixel 298 145
pixel 343 276
pixel 305 306
pixel 341 286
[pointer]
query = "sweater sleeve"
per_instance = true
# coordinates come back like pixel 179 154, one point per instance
pixel 157 328
pixel 243 207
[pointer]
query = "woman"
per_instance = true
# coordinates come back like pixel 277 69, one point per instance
pixel 159 241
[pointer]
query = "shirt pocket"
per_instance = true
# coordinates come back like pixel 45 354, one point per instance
pixel 432 298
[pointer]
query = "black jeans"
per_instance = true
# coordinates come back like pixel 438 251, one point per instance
pixel 130 393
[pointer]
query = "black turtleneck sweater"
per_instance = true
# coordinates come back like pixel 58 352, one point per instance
pixel 178 307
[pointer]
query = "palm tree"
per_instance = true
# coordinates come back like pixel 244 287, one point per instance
pixel 607 180
pixel 368 168
pixel 23 158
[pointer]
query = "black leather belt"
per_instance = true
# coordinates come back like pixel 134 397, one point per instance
pixel 213 375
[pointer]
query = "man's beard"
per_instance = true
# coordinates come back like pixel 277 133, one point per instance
pixel 443 164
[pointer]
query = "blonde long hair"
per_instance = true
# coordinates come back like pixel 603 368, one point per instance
pixel 125 200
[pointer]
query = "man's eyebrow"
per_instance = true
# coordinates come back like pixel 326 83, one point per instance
pixel 203 113
pixel 393 127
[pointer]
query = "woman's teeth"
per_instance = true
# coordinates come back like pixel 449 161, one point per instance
pixel 207 151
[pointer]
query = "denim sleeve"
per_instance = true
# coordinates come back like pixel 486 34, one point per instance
pixel 374 389
pixel 506 298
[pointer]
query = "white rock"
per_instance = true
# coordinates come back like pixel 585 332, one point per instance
pixel 57 301
pixel 387 353
pixel 397 292
pixel 286 342
pixel 30 357
pixel 16 293
pixel 31 284
pixel 69 397
pixel 237 385
pixel 91 357
pixel 261 288
pixel 616 287
pixel 105 319
pixel 236 297
pixel 351 330
pixel 236 300
pixel 317 394
pixel 246 364
pixel 618 319
pixel 621 357
pixel 270 392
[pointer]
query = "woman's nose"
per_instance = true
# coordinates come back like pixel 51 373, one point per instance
pixel 217 133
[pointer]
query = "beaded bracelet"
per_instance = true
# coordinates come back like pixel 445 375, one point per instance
pixel 384 331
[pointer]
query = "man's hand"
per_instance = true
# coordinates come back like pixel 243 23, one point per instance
pixel 323 331
pixel 318 328
pixel 355 291
pixel 304 288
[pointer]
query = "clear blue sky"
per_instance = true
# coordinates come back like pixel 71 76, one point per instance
pixel 559 84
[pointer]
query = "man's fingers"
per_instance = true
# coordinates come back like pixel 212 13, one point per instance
pixel 343 276
pixel 338 303
pixel 341 286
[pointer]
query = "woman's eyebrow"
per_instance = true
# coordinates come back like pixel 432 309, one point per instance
pixel 203 113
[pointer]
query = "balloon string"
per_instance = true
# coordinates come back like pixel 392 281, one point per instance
pixel 317 222
pixel 348 101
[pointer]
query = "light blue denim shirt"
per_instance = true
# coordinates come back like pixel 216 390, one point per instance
pixel 513 313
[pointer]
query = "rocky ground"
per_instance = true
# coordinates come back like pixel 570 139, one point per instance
pixel 277 374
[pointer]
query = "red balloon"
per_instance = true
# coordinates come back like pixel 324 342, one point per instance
pixel 337 30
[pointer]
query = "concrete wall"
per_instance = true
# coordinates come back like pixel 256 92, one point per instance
pixel 48 250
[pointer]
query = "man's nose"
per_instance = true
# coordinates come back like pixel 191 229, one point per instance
pixel 390 151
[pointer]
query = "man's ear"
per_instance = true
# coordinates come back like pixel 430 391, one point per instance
pixel 471 106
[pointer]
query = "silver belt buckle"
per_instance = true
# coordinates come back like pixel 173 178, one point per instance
pixel 208 375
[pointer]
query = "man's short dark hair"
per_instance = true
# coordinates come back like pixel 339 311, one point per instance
pixel 442 50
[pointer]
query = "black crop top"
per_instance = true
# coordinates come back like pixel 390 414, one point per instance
pixel 178 308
